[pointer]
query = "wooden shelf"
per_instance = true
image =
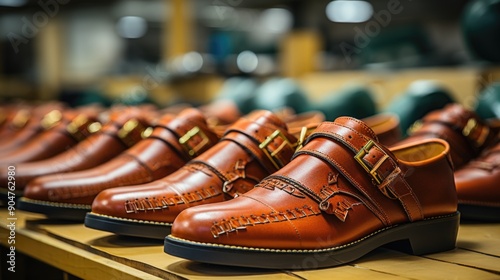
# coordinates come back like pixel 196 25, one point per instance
pixel 92 254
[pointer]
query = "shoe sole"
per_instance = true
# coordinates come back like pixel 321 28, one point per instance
pixel 479 213
pixel 128 227
pixel 418 238
pixel 54 210
pixel 6 195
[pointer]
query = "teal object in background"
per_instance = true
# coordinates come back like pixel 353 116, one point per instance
pixel 420 98
pixel 241 91
pixel 488 102
pixel 279 93
pixel 481 29
pixel 354 101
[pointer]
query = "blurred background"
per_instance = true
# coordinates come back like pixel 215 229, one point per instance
pixel 171 51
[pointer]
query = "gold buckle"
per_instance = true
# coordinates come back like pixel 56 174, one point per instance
pixel 271 155
pixel 184 140
pixel 21 118
pixel 94 127
pixel 51 119
pixel 471 127
pixel 128 128
pixel 373 172
pixel 74 126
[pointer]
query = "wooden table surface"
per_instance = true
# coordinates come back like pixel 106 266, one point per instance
pixel 93 254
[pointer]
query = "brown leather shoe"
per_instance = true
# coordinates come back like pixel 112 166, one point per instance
pixel 466 133
pixel 124 128
pixel 172 143
pixel 478 187
pixel 23 123
pixel 341 196
pixel 63 129
pixel 243 157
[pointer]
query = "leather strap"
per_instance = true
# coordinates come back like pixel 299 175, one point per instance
pixel 464 123
pixel 272 147
pixel 189 139
pixel 372 159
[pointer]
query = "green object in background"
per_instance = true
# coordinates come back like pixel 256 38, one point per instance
pixel 488 102
pixel 279 93
pixel 355 101
pixel 241 91
pixel 481 29
pixel 420 98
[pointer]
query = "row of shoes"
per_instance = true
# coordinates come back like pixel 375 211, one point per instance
pixel 239 190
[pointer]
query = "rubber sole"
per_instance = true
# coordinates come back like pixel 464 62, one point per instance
pixel 55 210
pixel 479 213
pixel 418 238
pixel 128 227
pixel 6 195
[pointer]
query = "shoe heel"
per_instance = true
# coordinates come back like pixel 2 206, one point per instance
pixel 430 236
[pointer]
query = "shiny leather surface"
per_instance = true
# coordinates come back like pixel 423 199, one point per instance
pixel 57 136
pixel 98 148
pixel 325 198
pixel 230 168
pixel 386 127
pixel 478 183
pixel 152 158
pixel 466 133
pixel 233 166
pixel 23 124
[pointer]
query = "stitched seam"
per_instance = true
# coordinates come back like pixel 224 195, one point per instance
pixel 57 204
pixel 233 224
pixel 154 204
pixel 132 220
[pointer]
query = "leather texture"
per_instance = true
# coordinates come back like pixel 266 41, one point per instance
pixel 467 134
pixel 104 144
pixel 23 122
pixel 239 161
pixel 478 186
pixel 252 149
pixel 340 189
pixel 172 143
pixel 63 129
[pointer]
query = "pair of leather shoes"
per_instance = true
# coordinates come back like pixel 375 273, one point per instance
pixel 342 195
pixel 475 152
pixel 62 129
pixel 253 148
pixel 123 127
pixel 22 122
pixel 172 142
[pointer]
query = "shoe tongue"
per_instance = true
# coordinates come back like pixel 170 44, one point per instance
pixel 264 117
pixel 357 125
